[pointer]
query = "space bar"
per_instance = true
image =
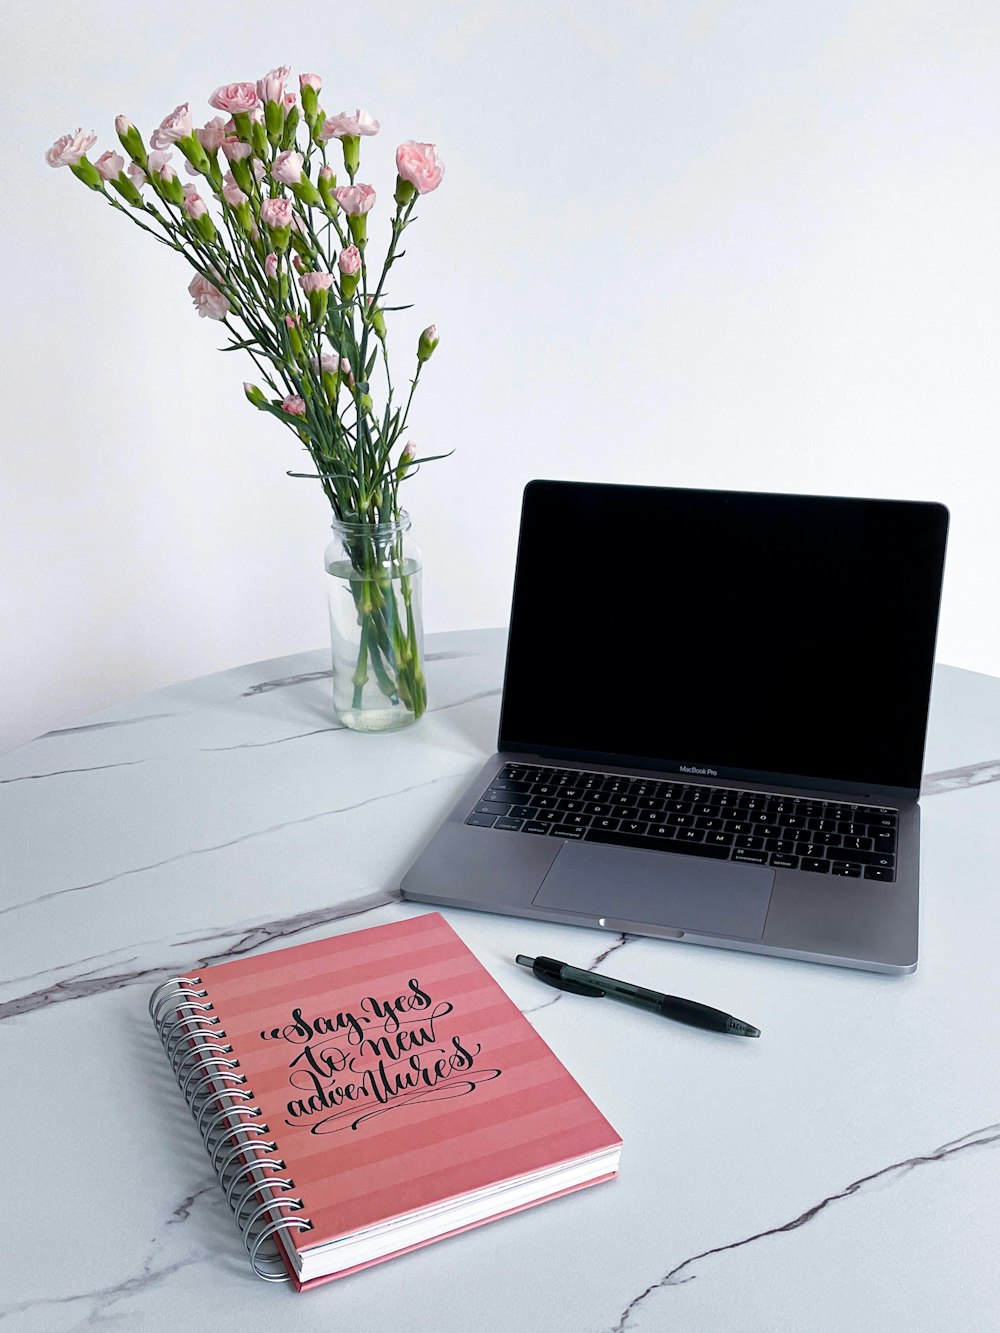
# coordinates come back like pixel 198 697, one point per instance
pixel 658 844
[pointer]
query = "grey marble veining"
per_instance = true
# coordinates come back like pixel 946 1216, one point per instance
pixel 958 779
pixel 780 1187
pixel 987 1137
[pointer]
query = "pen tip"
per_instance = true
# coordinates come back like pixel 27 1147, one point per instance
pixel 524 960
pixel 738 1028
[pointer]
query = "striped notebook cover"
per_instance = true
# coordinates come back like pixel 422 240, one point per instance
pixel 405 1096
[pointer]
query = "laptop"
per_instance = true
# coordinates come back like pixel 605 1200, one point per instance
pixel 713 723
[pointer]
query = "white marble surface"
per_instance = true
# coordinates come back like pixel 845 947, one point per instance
pixel 842 1173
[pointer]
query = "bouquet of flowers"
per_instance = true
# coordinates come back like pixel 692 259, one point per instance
pixel 281 259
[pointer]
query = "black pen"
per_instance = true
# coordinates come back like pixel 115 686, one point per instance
pixel 575 979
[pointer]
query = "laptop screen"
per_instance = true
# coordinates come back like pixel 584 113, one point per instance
pixel 730 634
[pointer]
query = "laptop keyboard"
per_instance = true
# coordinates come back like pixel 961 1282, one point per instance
pixel 788 832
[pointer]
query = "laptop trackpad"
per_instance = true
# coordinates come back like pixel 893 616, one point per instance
pixel 659 888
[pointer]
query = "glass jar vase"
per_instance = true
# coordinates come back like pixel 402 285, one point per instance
pixel 376 629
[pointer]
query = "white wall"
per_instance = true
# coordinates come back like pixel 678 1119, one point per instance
pixel 750 243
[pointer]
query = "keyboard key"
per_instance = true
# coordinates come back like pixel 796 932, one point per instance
pixel 783 862
pixel 757 858
pixel 654 844
pixel 481 821
pixel 845 868
pixel 813 863
pixel 878 872
pixel 509 825
pixel 565 831
pixel 749 843
pixel 882 859
pixel 492 808
pixel 534 826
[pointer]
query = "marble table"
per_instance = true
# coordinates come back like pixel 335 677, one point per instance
pixel 841 1173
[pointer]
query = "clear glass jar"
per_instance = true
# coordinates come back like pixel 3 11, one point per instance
pixel 376 626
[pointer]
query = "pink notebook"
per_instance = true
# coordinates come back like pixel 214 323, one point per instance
pixel 367 1094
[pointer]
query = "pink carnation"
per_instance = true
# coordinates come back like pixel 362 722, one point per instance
pixel 159 165
pixel 271 88
pixel 137 175
pixel 209 301
pixel 354 199
pixel 123 125
pixel 67 151
pixel 194 206
pixel 271 266
pixel 327 363
pixel 349 261
pixel 418 164
pixel 311 81
pixel 295 405
pixel 110 165
pixel 236 98
pixel 276 213
pixel 235 149
pixel 232 193
pixel 211 135
pixel 337 127
pixel 316 282
pixel 287 168
pixel 173 127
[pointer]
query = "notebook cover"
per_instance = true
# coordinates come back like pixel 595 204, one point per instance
pixel 394 1073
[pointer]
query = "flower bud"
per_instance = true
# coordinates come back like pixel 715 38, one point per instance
pixel 85 171
pixel 405 459
pixel 327 184
pixel 131 140
pixel 254 395
pixel 291 125
pixel 428 341
pixel 376 319
pixel 310 86
pixel 294 337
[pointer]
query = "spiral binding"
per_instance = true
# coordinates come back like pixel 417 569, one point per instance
pixel 236 1137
